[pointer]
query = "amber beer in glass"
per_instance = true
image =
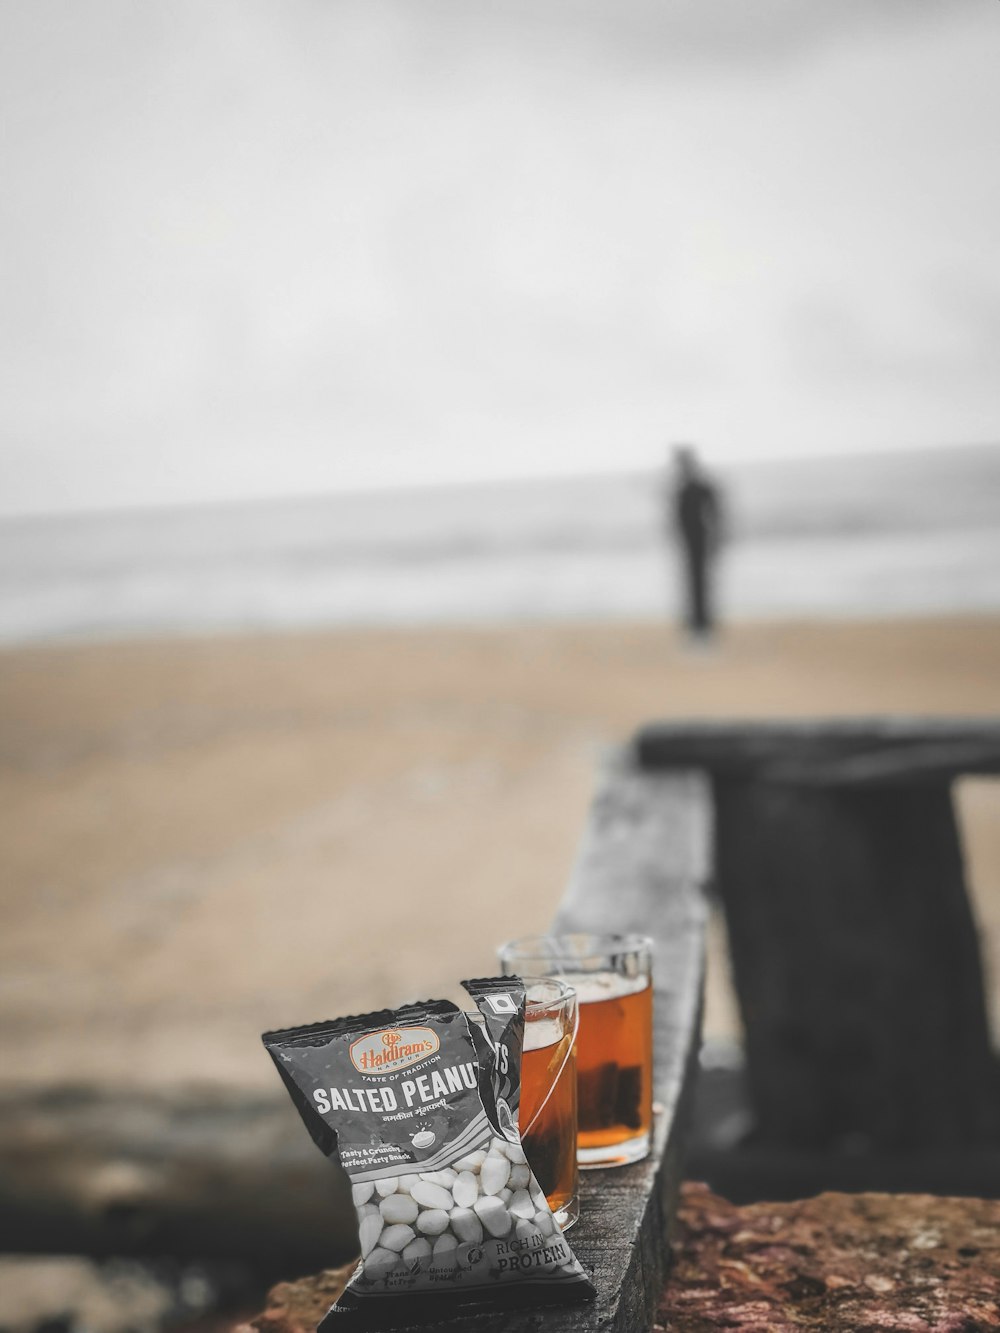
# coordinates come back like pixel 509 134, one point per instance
pixel 547 1116
pixel 612 976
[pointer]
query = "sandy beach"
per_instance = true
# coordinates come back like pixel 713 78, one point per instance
pixel 207 837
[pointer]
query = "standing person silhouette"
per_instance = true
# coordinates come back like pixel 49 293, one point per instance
pixel 695 512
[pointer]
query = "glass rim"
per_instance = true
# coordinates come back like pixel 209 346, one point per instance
pixel 574 946
pixel 565 996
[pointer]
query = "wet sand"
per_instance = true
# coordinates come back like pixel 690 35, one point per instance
pixel 207 837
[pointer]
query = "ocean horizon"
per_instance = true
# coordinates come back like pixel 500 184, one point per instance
pixel 893 534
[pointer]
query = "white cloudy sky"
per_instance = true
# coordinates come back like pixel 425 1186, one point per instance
pixel 255 248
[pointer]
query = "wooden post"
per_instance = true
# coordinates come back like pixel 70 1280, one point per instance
pixel 854 951
pixel 857 966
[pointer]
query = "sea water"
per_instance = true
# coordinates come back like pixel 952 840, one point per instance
pixel 896 534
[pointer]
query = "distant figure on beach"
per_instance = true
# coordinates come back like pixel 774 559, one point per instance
pixel 694 514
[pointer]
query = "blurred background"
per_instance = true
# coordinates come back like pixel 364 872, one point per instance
pixel 343 348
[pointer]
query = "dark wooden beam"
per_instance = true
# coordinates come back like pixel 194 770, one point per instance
pixel 642 867
pixel 827 752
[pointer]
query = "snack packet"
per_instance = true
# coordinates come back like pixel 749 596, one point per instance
pixel 419 1105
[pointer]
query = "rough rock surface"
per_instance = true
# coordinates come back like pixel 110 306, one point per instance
pixel 297 1307
pixel 857 1263
pixel 841 1263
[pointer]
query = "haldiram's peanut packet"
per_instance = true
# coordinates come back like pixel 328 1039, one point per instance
pixel 419 1105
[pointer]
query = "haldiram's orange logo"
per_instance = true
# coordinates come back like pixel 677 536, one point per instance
pixel 395 1048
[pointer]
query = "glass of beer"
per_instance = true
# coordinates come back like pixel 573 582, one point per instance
pixel 612 977
pixel 547 1115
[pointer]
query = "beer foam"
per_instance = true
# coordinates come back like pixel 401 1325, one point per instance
pixel 541 1032
pixel 591 987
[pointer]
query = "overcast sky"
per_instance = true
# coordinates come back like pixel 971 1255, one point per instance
pixel 273 248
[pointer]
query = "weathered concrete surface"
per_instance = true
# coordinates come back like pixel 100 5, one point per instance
pixel 838 1262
